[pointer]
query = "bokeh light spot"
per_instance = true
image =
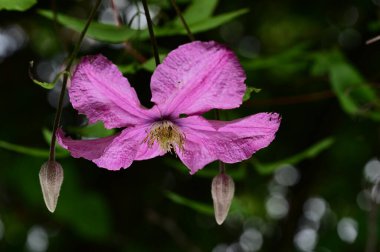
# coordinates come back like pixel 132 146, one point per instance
pixel 232 32
pixel 306 239
pixel 37 239
pixel 287 175
pixel 249 47
pixel 349 38
pixel 314 209
pixel 251 240
pixel 277 207
pixel 12 39
pixel 372 170
pixel 135 16
pixel 347 229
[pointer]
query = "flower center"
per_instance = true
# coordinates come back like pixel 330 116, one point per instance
pixel 167 135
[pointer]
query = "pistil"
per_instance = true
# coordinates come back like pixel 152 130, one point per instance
pixel 167 135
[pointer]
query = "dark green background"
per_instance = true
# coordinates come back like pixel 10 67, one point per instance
pixel 308 57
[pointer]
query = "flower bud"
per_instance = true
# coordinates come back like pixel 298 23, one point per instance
pixel 222 190
pixel 51 178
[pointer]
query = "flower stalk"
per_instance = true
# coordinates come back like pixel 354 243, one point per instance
pixel 183 21
pixel 151 32
pixel 51 172
pixel 70 62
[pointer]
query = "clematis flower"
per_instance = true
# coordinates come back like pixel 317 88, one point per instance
pixel 193 79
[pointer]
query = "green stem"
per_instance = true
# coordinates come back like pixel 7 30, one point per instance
pixel 183 21
pixel 70 62
pixel 151 33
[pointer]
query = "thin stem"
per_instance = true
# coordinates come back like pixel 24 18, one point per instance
pixel 151 32
pixel 70 62
pixel 372 40
pixel 116 13
pixel 183 21
pixel 222 167
pixel 372 228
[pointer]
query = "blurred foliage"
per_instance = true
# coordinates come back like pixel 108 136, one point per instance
pixel 117 34
pixel 46 85
pixel 310 152
pixel 17 5
pixel 355 95
pixel 249 91
pixel 307 61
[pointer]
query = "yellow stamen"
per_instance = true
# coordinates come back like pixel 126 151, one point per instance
pixel 167 135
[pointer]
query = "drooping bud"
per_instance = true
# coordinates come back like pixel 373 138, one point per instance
pixel 51 178
pixel 222 190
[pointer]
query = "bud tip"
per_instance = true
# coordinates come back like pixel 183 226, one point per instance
pixel 51 178
pixel 222 190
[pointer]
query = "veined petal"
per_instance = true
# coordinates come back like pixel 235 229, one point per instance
pixel 197 77
pixel 114 152
pixel 99 90
pixel 230 142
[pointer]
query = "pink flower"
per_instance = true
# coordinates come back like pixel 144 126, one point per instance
pixel 193 79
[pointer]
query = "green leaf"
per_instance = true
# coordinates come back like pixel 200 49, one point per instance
pixel 46 135
pixel 248 92
pixel 291 57
pixel 16 5
pixel 30 151
pixel 118 34
pixel 197 206
pixel 213 22
pixel 130 68
pixel 46 85
pixel 244 205
pixel 149 65
pixel 102 32
pixel 198 10
pixel 60 151
pixel 311 152
pixel 356 97
pixel 93 130
pixel 239 206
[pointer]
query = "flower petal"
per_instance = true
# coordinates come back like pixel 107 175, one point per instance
pixel 114 152
pixel 230 142
pixel 197 77
pixel 99 90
